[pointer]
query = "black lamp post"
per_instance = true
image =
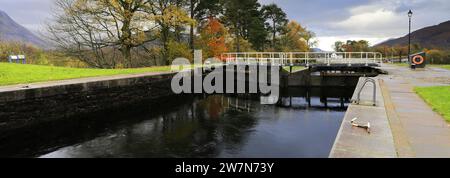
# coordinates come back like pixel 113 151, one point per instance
pixel 410 13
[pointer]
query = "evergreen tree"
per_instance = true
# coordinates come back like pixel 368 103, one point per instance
pixel 277 19
pixel 245 21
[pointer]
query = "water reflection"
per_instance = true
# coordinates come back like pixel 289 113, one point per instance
pixel 221 126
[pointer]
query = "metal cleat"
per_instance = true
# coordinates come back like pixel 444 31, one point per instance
pixel 354 124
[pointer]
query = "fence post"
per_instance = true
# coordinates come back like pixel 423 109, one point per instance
pixel 307 59
pixel 292 60
pixel 367 59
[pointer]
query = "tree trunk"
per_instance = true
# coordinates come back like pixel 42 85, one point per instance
pixel 191 38
pixel 238 41
pixel 274 35
pixel 126 42
pixel 126 53
pixel 165 41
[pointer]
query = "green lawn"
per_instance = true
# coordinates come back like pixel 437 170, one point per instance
pixel 438 98
pixel 442 66
pixel 21 74
pixel 401 64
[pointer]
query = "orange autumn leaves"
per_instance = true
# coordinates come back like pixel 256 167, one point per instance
pixel 212 38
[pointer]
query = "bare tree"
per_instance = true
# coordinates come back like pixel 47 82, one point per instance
pixel 102 33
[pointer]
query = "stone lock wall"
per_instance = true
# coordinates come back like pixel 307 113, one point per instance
pixel 25 107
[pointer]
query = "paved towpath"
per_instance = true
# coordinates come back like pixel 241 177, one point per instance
pixel 403 124
pixel 77 81
pixel 418 131
pixel 352 142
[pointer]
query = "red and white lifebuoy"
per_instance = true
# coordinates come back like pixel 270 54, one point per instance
pixel 418 60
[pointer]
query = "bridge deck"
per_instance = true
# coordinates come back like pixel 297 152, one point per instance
pixel 358 59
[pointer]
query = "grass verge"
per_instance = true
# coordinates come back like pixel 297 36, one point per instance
pixel 442 66
pixel 20 74
pixel 438 98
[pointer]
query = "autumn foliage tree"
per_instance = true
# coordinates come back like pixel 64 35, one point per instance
pixel 436 56
pixel 292 38
pixel 136 33
pixel 352 46
pixel 213 35
pixel 93 30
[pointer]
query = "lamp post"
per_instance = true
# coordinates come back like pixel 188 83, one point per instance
pixel 410 14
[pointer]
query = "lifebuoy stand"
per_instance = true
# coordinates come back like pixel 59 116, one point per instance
pixel 418 61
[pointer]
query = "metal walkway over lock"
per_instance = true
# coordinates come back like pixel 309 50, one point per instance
pixel 305 58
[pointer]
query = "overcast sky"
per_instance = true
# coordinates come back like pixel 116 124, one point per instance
pixel 332 20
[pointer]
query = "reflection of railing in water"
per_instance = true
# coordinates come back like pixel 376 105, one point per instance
pixel 239 104
pixel 247 105
pixel 324 102
pixel 317 97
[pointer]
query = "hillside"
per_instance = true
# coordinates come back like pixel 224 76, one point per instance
pixel 12 31
pixel 432 37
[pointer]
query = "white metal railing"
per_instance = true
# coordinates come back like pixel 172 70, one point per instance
pixel 361 87
pixel 303 58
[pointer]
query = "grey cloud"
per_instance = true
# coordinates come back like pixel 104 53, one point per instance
pixel 320 16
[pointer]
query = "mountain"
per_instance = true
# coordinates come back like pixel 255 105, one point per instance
pixel 382 42
pixel 12 31
pixel 433 37
pixel 316 50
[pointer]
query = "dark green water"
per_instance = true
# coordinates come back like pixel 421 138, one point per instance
pixel 201 126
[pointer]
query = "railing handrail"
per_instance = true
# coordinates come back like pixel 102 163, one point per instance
pixel 306 57
pixel 360 89
pixel 299 52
